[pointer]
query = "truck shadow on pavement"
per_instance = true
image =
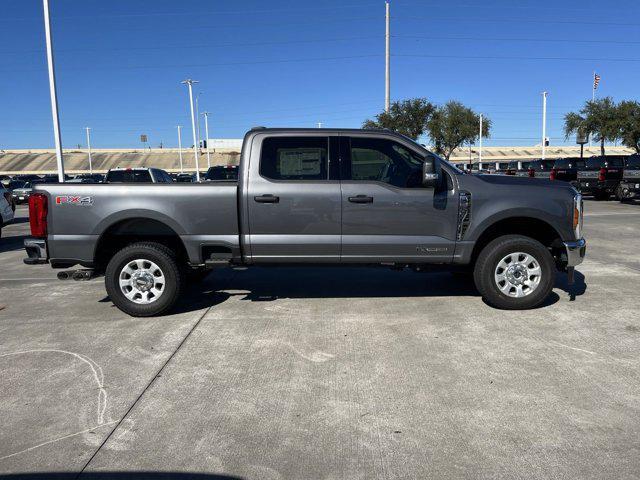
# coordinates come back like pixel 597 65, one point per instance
pixel 261 284
pixel 117 476
pixel 10 244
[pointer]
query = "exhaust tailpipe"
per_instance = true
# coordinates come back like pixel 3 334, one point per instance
pixel 80 275
pixel 63 275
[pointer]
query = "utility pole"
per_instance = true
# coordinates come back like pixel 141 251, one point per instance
pixel 387 69
pixel 180 148
pixel 206 132
pixel 544 124
pixel 89 148
pixel 53 91
pixel 189 82
pixel 480 150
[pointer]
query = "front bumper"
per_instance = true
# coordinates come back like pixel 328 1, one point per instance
pixel 575 252
pixel 36 249
pixel 630 189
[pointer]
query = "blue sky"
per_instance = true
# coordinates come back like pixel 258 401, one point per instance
pixel 295 63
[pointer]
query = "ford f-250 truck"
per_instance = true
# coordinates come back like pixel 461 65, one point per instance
pixel 314 196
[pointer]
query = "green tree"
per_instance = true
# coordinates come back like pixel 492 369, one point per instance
pixel 629 112
pixel 452 125
pixel 599 118
pixel 408 117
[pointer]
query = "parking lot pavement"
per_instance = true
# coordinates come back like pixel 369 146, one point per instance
pixel 328 373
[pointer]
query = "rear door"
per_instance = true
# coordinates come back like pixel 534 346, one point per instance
pixel 387 215
pixel 293 198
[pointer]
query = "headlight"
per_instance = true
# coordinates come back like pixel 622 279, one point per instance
pixel 577 215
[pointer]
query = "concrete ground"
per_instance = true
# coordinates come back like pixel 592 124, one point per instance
pixel 354 373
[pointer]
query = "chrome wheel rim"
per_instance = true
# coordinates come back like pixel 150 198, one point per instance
pixel 518 274
pixel 142 281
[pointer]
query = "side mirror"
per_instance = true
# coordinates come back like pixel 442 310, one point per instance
pixel 429 174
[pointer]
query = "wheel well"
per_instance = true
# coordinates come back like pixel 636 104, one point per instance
pixel 527 226
pixel 132 230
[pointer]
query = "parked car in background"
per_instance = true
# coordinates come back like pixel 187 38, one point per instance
pixel 601 176
pixel 27 177
pixel 6 207
pixel 630 185
pixel 137 175
pixel 518 168
pixel 95 177
pixel 5 179
pixel 541 168
pixel 222 173
pixel 21 194
pixel 185 178
pixel 566 169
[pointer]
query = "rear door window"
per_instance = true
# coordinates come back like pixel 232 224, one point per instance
pixel 295 158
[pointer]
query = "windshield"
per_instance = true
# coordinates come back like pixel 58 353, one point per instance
pixel 128 176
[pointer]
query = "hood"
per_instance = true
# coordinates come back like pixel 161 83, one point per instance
pixel 518 184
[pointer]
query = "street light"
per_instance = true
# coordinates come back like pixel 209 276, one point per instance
pixel 189 82
pixel 206 132
pixel 180 148
pixel 53 92
pixel 544 124
pixel 198 117
pixel 89 147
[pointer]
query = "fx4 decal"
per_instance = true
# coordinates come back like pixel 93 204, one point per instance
pixel 74 200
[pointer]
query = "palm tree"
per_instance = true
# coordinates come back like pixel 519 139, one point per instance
pixel 599 118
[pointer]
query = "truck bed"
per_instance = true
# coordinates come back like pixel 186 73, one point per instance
pixel 199 214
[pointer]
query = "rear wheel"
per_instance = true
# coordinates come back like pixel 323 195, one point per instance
pixel 515 272
pixel 143 279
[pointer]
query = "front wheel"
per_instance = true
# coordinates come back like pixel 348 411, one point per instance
pixel 143 279
pixel 514 272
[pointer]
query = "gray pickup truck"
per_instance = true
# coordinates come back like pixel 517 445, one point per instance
pixel 314 196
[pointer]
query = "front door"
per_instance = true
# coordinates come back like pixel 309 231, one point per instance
pixel 387 215
pixel 293 199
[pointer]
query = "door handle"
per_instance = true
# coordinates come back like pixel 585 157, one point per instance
pixel 266 198
pixel 361 199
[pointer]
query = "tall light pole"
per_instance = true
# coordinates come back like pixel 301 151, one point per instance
pixel 198 118
pixel 480 150
pixel 89 147
pixel 189 82
pixel 206 132
pixel 53 91
pixel 387 66
pixel 180 148
pixel 544 124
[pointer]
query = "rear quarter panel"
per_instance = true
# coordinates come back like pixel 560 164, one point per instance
pixel 198 213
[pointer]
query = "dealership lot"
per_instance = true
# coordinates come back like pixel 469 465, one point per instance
pixel 328 373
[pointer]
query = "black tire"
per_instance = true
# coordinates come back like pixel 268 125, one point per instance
pixel 487 264
pixel 619 193
pixel 164 258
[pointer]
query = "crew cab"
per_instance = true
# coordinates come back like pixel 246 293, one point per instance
pixel 601 176
pixel 630 185
pixel 314 196
pixel 566 169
